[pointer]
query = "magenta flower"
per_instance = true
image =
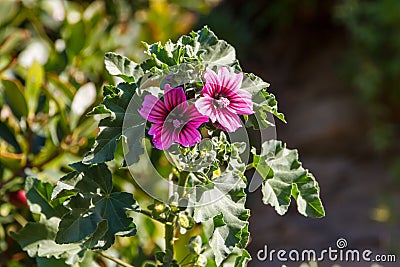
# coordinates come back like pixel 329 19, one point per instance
pixel 222 99
pixel 174 119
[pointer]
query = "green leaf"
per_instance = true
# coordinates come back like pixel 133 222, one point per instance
pixel 34 82
pixel 75 37
pixel 201 46
pixel 7 10
pixel 37 239
pixel 285 177
pixel 133 131
pixel 15 98
pixel 96 213
pixel 205 45
pixel 221 53
pixel 226 214
pixel 31 236
pixel 95 240
pixel 9 137
pixel 87 261
pixel 199 157
pixel 12 161
pixel 253 83
pixel 117 105
pixel 49 262
pixel 38 194
pixel 271 105
pixel 64 88
pixel 15 38
pixel 263 102
pixel 306 193
pixel 205 37
pixel 163 56
pixel 243 260
pixel 122 67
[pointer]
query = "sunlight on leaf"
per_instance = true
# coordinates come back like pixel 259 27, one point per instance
pixel 284 177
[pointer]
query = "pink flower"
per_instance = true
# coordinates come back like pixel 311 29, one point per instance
pixel 223 100
pixel 174 119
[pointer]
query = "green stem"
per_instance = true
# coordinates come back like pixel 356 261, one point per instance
pixel 183 178
pixel 116 260
pixel 250 166
pixel 20 219
pixel 171 219
pixel 184 258
pixel 148 214
pixel 169 236
pixel 202 177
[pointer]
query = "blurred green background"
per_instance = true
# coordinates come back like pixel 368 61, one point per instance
pixel 334 67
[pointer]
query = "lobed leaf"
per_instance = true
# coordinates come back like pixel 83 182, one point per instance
pixel 122 67
pixel 39 197
pixel 226 214
pixel 263 102
pixel 112 126
pixel 200 46
pixel 37 239
pixel 88 261
pixel 96 213
pixel 284 177
pixel 208 48
pixel 46 262
pixel 243 260
pixel 253 83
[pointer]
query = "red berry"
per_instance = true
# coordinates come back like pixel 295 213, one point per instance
pixel 18 198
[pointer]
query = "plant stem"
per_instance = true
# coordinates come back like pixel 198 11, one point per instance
pixel 183 178
pixel 250 166
pixel 7 181
pixel 148 214
pixel 169 236
pixel 20 219
pixel 171 185
pixel 171 219
pixel 116 260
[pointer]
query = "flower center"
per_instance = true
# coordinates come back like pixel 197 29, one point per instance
pixel 177 123
pixel 222 102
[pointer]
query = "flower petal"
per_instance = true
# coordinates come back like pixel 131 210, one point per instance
pixel 153 109
pixel 205 106
pixel 195 117
pixel 229 121
pixel 212 85
pixel 174 97
pixel 189 136
pixel 155 129
pixel 165 139
pixel 240 102
pixel 229 80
